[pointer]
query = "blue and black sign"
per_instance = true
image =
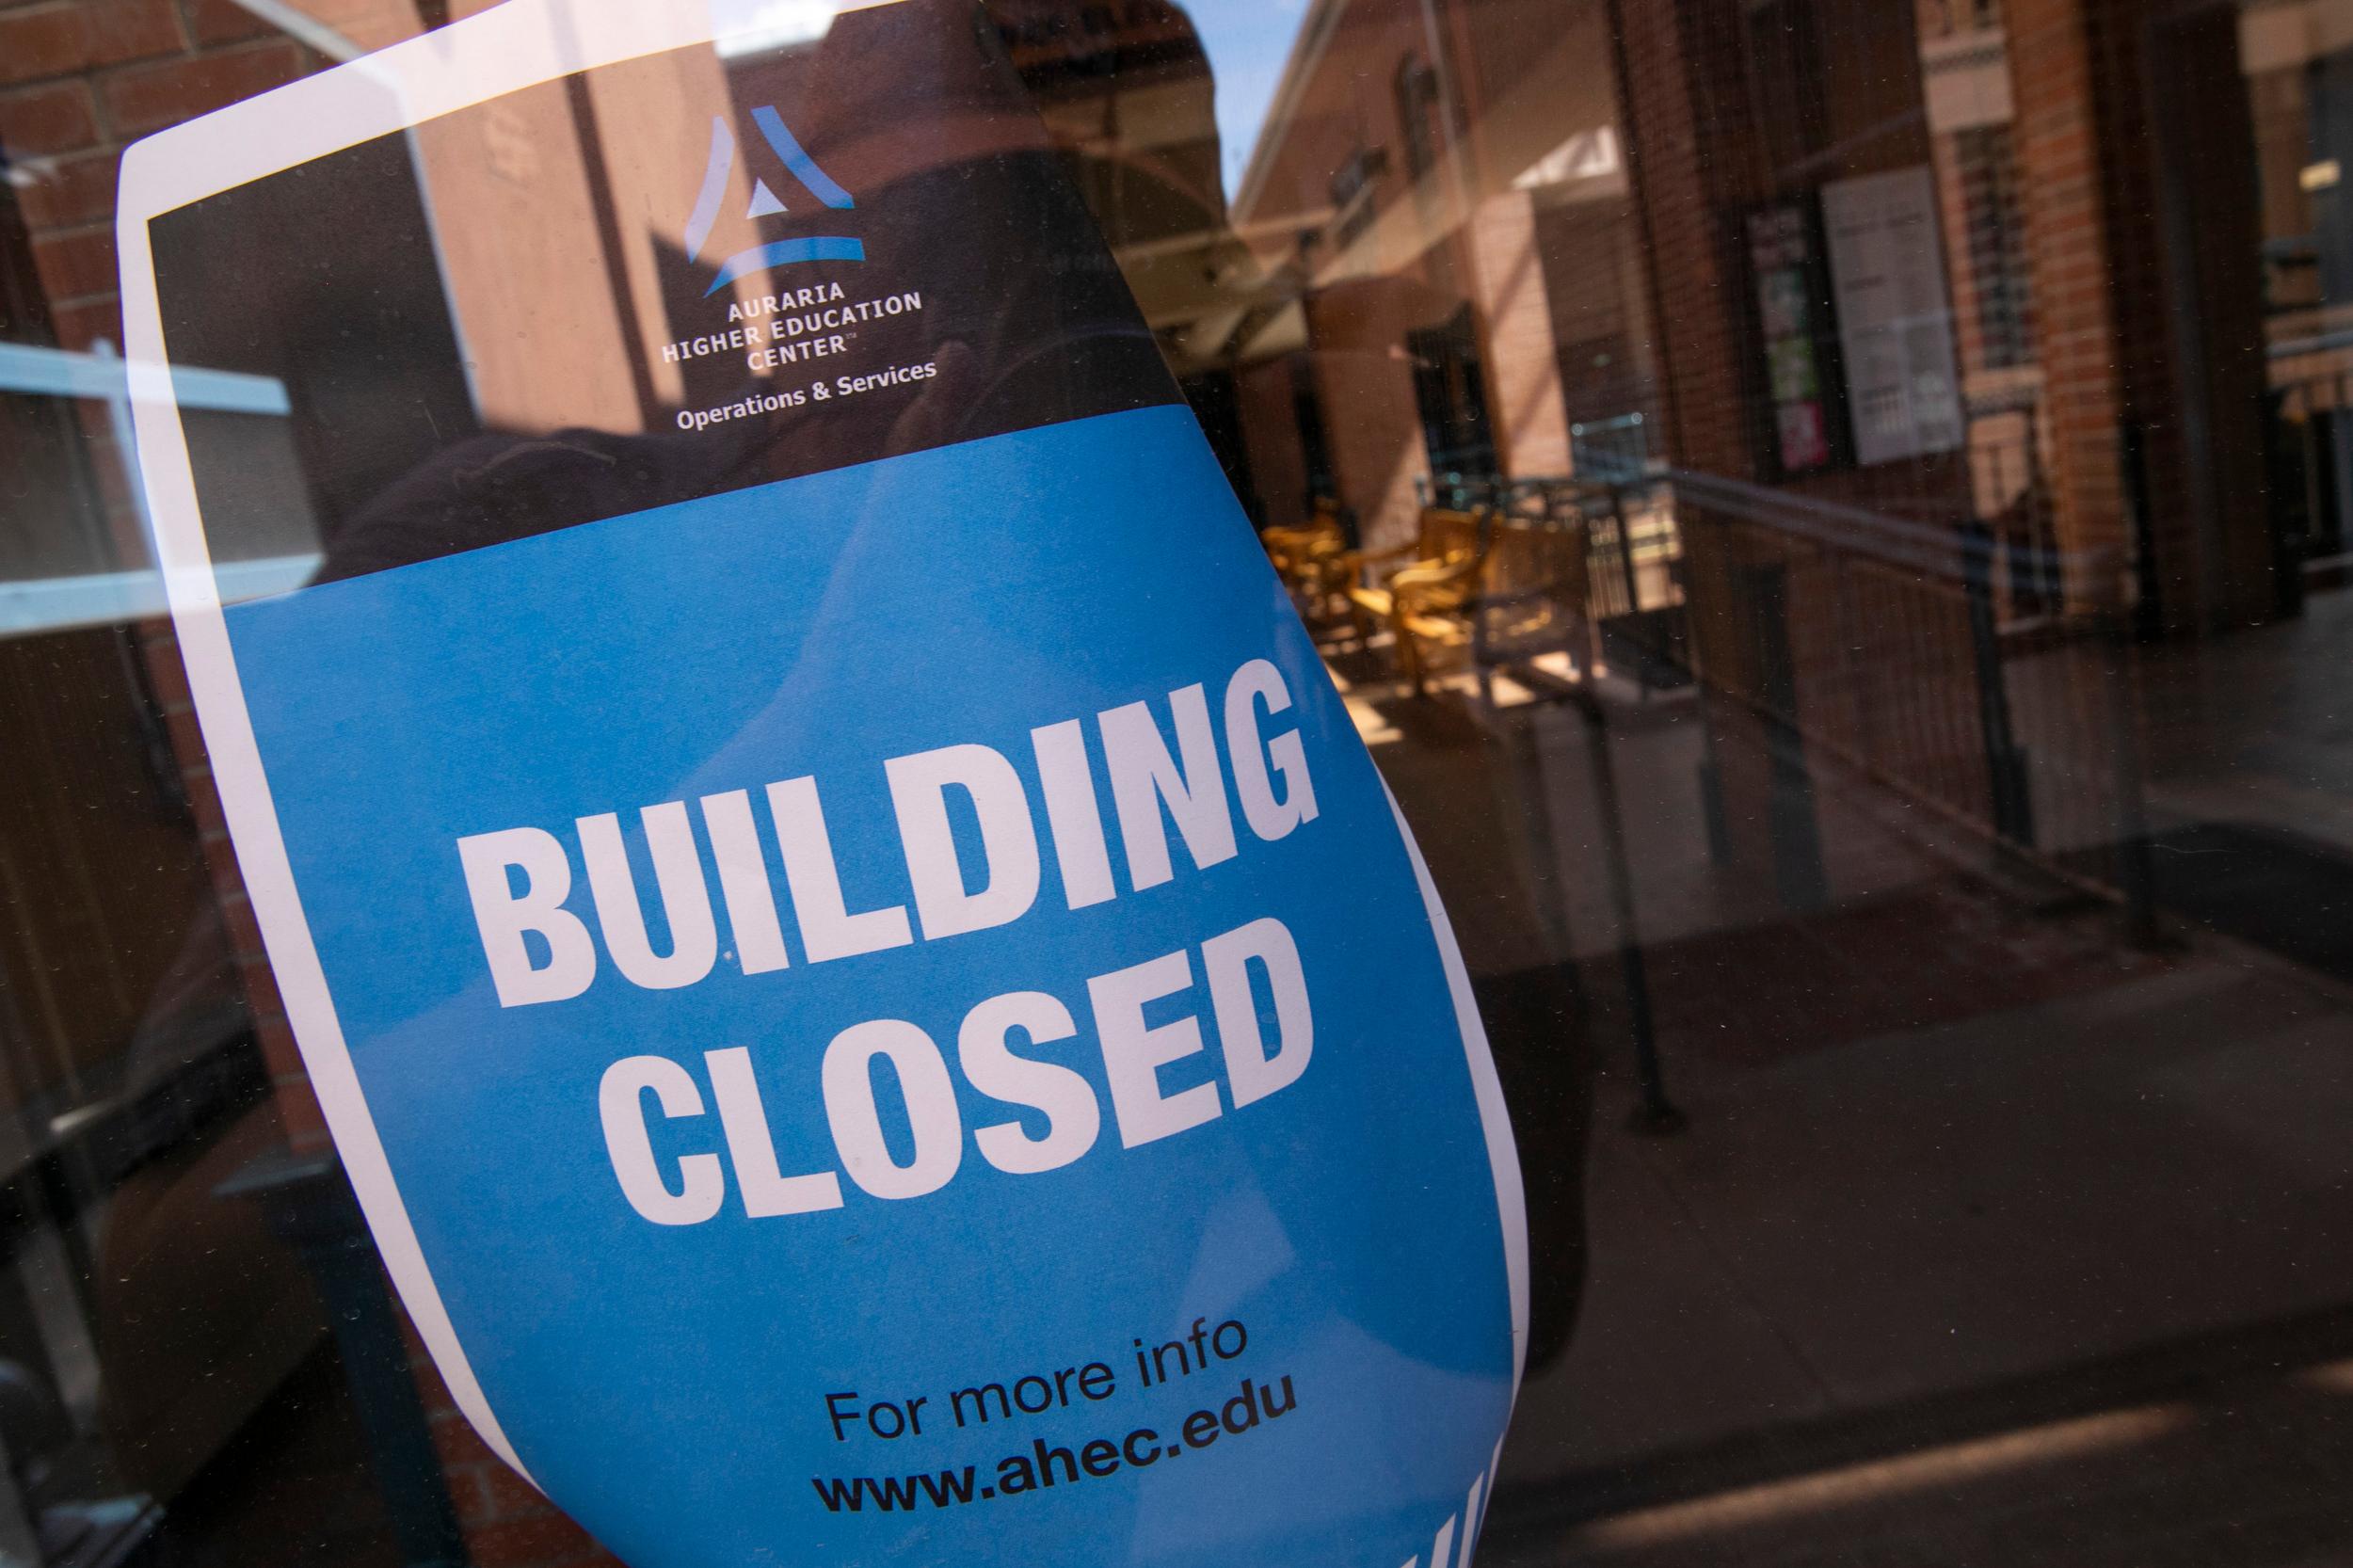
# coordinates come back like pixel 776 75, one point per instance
pixel 867 957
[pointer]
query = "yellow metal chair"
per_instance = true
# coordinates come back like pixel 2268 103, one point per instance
pixel 1310 559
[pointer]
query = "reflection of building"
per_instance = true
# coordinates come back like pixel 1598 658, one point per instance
pixel 156 1306
pixel 425 339
pixel 1453 279
pixel 1878 280
pixel 146 1316
pixel 2076 272
pixel 1457 268
pixel 1125 93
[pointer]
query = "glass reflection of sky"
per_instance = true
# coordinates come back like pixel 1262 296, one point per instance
pixel 1247 41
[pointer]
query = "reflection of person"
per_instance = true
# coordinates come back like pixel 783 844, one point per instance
pixel 962 201
pixel 1026 321
pixel 497 487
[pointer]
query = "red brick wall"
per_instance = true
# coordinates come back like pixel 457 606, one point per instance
pixel 1597 280
pixel 79 80
pixel 1700 147
pixel 1677 97
pixel 1694 169
pixel 2202 229
pixel 1372 425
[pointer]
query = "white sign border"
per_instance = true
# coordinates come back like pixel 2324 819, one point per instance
pixel 510 47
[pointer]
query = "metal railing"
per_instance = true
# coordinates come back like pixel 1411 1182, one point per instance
pixel 1635 543
pixel 2010 497
pixel 1940 656
pixel 1882 641
pixel 1611 450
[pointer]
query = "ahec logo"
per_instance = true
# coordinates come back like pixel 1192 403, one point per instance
pixel 791 324
pixel 765 203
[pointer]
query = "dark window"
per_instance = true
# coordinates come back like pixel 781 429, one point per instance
pixel 1416 108
pixel 1996 235
pixel 1450 392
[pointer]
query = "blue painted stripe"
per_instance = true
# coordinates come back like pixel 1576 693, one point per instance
pixel 715 187
pixel 804 167
pixel 816 248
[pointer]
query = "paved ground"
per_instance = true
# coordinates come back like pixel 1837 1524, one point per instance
pixel 2192 1470
pixel 2257 727
pixel 1991 1240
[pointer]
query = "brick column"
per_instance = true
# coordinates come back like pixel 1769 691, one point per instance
pixel 2143 237
pixel 2058 138
pixel 1683 102
pixel 1356 331
pixel 1525 406
pixel 1678 102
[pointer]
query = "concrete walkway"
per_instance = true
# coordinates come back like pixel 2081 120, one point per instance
pixel 1991 1239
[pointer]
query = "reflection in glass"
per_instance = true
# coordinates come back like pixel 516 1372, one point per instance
pixel 1829 512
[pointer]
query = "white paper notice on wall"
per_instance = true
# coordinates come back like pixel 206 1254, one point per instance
pixel 1895 315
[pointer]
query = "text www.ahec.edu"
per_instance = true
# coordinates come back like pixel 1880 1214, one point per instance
pixel 1045 1464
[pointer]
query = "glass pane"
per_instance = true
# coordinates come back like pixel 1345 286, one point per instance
pixel 1829 514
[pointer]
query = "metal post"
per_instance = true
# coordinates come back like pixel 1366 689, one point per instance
pixel 2308 434
pixel 2012 799
pixel 1657 1116
pixel 1625 548
pixel 2042 537
pixel 2136 867
pixel 1633 633
pixel 1798 874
